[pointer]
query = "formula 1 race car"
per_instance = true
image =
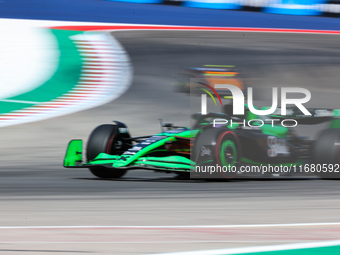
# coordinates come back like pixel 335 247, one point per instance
pixel 111 151
pixel 209 75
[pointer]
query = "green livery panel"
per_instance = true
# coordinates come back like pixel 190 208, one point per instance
pixel 74 153
pixel 139 155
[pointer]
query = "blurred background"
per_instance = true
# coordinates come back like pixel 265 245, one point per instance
pixel 60 80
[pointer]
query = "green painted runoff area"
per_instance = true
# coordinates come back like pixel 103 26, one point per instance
pixel 64 79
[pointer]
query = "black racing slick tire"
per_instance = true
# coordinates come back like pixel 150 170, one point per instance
pixel 107 139
pixel 326 154
pixel 218 150
pixel 228 153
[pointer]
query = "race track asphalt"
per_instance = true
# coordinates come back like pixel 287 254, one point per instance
pixel 37 191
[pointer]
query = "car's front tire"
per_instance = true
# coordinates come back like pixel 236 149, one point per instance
pixel 106 139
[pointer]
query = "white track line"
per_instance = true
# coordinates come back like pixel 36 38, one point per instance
pixel 183 227
pixel 20 101
pixel 140 242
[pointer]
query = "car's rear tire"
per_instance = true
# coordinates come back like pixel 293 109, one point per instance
pixel 326 150
pixel 224 151
pixel 107 139
pixel 228 153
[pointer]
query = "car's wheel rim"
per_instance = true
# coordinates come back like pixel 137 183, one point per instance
pixel 228 153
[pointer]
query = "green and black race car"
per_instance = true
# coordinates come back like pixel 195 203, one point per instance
pixel 111 151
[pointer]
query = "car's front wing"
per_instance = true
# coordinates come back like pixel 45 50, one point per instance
pixel 74 159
